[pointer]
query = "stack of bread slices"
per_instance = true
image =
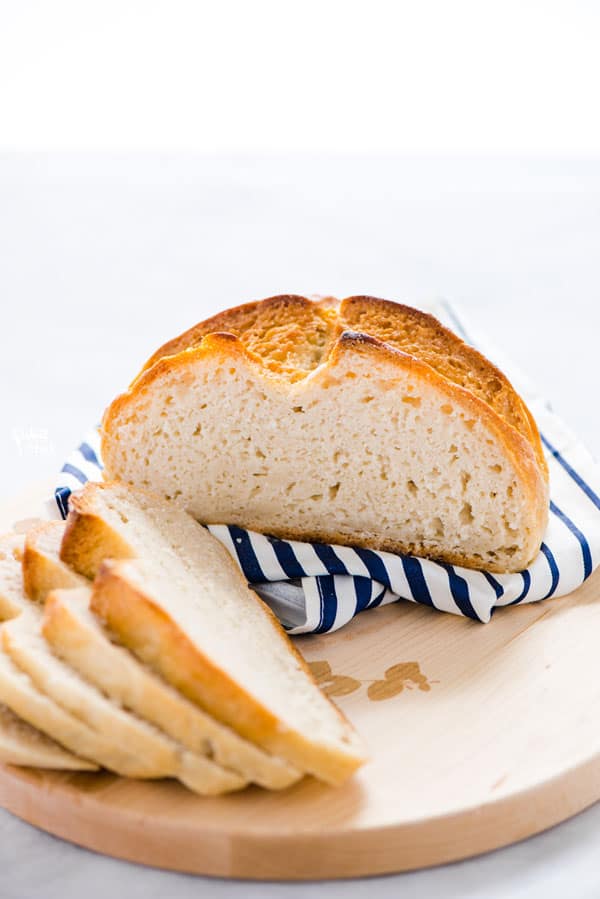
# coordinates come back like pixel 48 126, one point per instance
pixel 130 641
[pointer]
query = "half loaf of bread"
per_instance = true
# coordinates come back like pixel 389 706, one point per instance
pixel 362 422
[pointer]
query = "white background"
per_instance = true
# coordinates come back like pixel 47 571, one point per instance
pixel 409 150
pixel 478 75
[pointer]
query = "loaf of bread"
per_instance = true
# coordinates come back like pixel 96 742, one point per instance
pixel 359 422
pixel 178 601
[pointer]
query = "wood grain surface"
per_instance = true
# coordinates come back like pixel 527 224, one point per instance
pixel 480 735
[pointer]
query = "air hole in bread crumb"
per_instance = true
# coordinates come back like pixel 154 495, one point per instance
pixel 367 399
pixel 496 468
pixel 290 487
pixel 298 409
pixel 470 424
pixel 259 453
pixel 197 430
pixel 465 477
pixel 123 517
pixel 333 491
pixel 317 497
pixel 447 409
pixel 466 514
pixel 438 527
pixel 453 448
pixel 412 400
pixel 411 487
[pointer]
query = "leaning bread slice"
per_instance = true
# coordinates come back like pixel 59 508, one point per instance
pixel 32 705
pixel 12 599
pixel 157 756
pixel 22 744
pixel 373 448
pixel 42 569
pixel 184 608
pixel 77 636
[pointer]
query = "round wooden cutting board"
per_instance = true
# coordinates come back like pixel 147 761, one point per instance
pixel 480 735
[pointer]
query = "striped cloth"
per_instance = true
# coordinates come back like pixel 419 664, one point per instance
pixel 315 588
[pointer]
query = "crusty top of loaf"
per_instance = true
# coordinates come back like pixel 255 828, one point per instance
pixel 291 335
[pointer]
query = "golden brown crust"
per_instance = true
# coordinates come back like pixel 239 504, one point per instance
pixel 290 333
pixel 518 448
pixel 146 628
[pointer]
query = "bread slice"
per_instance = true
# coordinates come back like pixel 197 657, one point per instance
pixel 32 705
pixel 184 608
pixel 77 636
pixel 42 569
pixel 21 744
pixel 372 447
pixel 12 600
pixel 155 754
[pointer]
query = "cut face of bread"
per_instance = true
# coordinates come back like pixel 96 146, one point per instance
pixel 150 753
pixel 21 744
pixel 77 636
pixel 12 600
pixel 373 448
pixel 42 569
pixel 183 607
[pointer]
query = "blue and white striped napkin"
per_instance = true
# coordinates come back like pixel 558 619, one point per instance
pixel 315 588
